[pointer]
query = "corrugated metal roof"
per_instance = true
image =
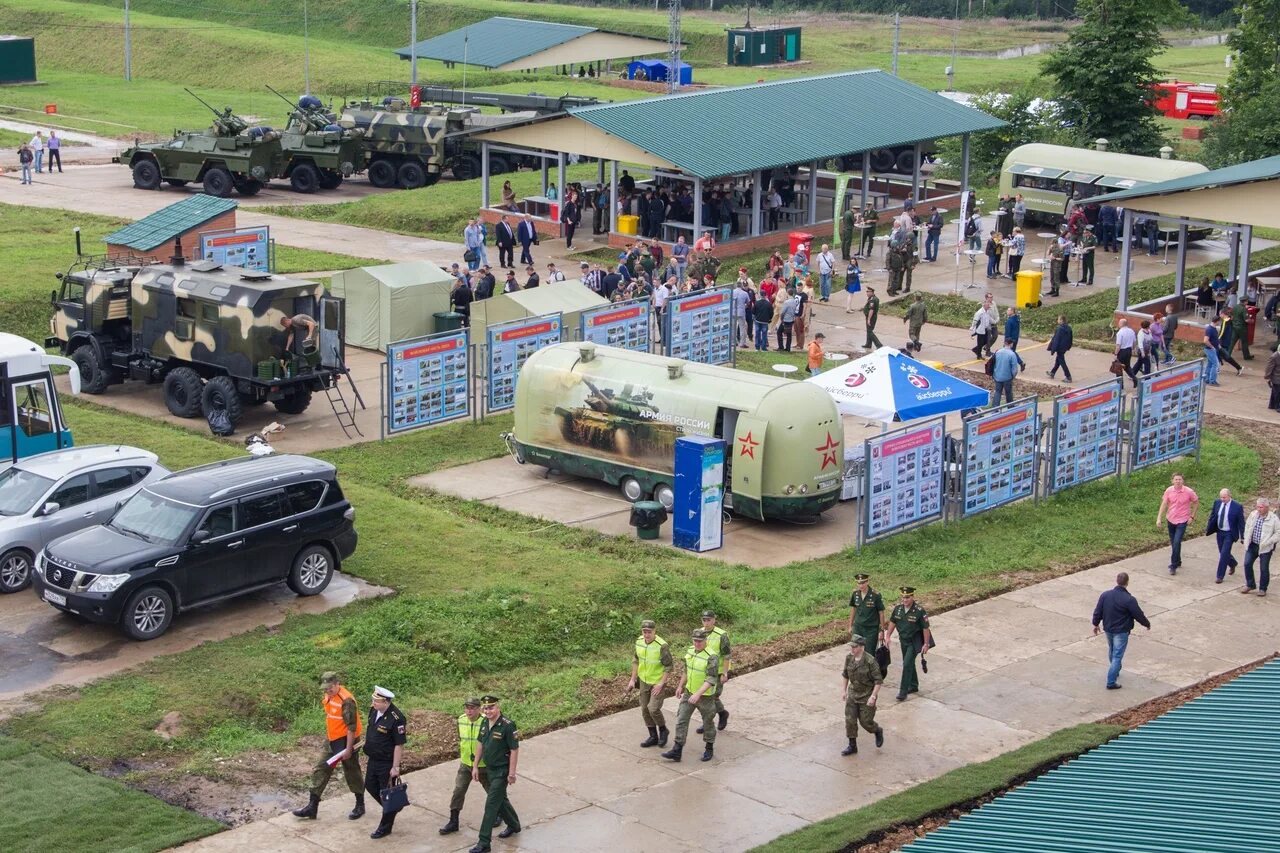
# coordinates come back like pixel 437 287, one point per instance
pixel 168 222
pixel 1199 779
pixel 768 125
pixel 1266 169
pixel 496 41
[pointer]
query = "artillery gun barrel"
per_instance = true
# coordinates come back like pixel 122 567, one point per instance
pixel 203 101
pixel 278 95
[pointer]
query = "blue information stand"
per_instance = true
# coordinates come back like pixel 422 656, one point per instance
pixel 698 512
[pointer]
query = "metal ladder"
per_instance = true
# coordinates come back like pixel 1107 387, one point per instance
pixel 338 402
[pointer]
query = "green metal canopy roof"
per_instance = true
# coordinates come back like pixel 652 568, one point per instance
pixel 1199 779
pixel 768 125
pixel 169 222
pixel 498 41
pixel 1266 169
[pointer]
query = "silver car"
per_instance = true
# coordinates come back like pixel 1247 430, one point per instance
pixel 52 494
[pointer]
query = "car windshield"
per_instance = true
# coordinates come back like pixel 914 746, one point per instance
pixel 153 518
pixel 19 490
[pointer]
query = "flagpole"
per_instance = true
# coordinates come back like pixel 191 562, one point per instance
pixel 466 42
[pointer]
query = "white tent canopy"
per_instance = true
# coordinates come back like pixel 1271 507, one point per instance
pixel 886 385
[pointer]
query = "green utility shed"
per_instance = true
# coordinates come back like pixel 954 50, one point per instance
pixel 17 59
pixel 763 45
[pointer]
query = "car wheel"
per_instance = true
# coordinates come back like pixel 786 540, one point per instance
pixel 94 376
pixel 182 391
pixel 411 175
pixel 294 404
pixel 304 178
pixel 15 570
pixel 147 614
pixel 220 394
pixel 663 494
pixel 631 489
pixel 312 570
pixel 218 182
pixel 146 175
pixel 382 174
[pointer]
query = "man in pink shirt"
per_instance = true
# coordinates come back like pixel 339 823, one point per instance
pixel 1178 507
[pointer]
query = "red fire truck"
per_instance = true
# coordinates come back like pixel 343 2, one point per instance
pixel 1182 100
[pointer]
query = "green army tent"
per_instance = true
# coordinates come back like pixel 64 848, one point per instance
pixel 392 302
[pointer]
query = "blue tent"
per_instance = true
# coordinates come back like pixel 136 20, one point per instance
pixel 656 70
pixel 888 386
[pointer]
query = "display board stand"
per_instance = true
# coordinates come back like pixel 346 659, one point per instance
pixel 621 324
pixel 1168 415
pixel 1001 456
pixel 508 346
pixel 699 326
pixel 905 480
pixel 425 381
pixel 1086 439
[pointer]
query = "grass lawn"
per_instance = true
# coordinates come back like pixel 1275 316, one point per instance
pixel 52 805
pixel 958 787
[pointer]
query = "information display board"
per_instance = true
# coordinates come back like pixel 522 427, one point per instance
pixel 904 478
pixel 245 247
pixel 624 325
pixel 1000 456
pixel 1085 444
pixel 1168 416
pixel 699 326
pixel 510 344
pixel 428 381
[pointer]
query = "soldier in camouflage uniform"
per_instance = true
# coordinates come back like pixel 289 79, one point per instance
pixel 862 680
pixel 912 260
pixel 917 316
pixel 697 692
pixel 897 263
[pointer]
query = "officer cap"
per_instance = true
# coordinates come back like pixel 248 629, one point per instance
pixel 648 623
pixel 862 576
pixel 1088 228
pixel 908 590
pixel 383 692
pixel 489 700
pixel 471 702
pixel 858 640
pixel 699 634
pixel 329 678
pixel 708 614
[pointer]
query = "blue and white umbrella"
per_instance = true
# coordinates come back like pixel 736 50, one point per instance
pixel 886 385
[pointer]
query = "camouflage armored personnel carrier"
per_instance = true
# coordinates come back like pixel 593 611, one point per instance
pixel 212 335
pixel 317 151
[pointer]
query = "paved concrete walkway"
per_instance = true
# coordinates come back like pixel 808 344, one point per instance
pixel 1007 671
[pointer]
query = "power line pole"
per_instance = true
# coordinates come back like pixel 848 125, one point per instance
pixel 128 45
pixel 897 28
pixel 306 50
pixel 413 42
pixel 673 45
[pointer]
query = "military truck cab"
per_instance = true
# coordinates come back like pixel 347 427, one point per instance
pixel 31 420
pixel 212 335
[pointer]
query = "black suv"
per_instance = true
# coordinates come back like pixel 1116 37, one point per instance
pixel 200 536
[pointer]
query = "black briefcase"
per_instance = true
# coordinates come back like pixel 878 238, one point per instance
pixel 883 659
pixel 394 798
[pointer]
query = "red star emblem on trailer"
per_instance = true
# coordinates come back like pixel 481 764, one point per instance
pixel 749 445
pixel 828 452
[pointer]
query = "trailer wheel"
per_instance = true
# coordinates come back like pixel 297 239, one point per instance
pixel 631 489
pixel 304 178
pixel 182 387
pixel 411 175
pixel 94 375
pixel 382 174
pixel 218 182
pixel 146 175
pixel 665 495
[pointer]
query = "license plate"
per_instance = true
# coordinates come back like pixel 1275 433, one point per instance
pixel 54 598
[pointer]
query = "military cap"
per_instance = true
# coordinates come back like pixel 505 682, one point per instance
pixel 471 702
pixel 908 590
pixel 699 634
pixel 489 699
pixel 329 678
pixel 708 614
pixel 648 623
pixel 862 576
pixel 383 692
pixel 1088 228
pixel 858 640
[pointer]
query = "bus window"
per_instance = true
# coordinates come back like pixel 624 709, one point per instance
pixel 34 415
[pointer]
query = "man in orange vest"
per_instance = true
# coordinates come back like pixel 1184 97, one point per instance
pixel 342 724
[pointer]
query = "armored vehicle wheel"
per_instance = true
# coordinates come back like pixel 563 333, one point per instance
pixel 382 174
pixel 294 404
pixel 631 489
pixel 94 375
pixel 248 186
pixel 882 160
pixel 218 182
pixel 146 175
pixel 411 175
pixel 330 179
pixel 466 167
pixel 499 166
pixel 305 178
pixel 663 494
pixel 182 392
pixel 174 182
pixel 220 394
pixel 906 160
pixel 432 178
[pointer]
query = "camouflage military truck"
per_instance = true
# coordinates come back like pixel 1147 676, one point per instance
pixel 210 334
pixel 405 147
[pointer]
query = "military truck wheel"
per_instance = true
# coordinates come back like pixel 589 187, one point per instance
pixel 330 179
pixel 432 178
pixel 382 174
pixel 631 489
pixel 248 186
pixel 411 175
pixel 499 166
pixel 218 182
pixel 94 375
pixel 466 167
pixel 146 175
pixel 174 182
pixel 220 394
pixel 182 392
pixel 305 178
pixel 294 404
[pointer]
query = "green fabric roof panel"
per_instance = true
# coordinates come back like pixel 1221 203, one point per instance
pixel 1266 169
pixel 168 222
pixel 1198 779
pixel 496 41
pixel 723 131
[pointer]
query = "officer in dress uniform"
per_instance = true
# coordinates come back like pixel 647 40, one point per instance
pixel 866 613
pixel 468 736
pixel 383 744
pixel 342 726
pixel 498 744
pixel 717 646
pixel 862 680
pixel 702 677
pixel 912 625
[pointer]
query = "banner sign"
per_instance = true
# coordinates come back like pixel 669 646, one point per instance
pixel 624 325
pixel 428 381
pixel 1000 456
pixel 244 247
pixel 904 478
pixel 1085 444
pixel 510 344
pixel 699 326
pixel 1168 416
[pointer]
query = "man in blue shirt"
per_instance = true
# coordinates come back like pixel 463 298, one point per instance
pixel 1211 354
pixel 1116 611
pixel 1007 365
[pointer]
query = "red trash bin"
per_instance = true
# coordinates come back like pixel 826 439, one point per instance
pixel 1251 323
pixel 802 241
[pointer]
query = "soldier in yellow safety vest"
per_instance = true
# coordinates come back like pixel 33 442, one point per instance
pixel 718 645
pixel 701 681
pixel 468 732
pixel 650 663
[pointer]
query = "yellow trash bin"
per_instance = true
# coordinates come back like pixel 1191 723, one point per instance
pixel 628 224
pixel 1027 288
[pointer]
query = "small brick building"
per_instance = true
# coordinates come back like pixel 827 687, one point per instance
pixel 152 236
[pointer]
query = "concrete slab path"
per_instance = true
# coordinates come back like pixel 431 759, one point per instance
pixel 1007 671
